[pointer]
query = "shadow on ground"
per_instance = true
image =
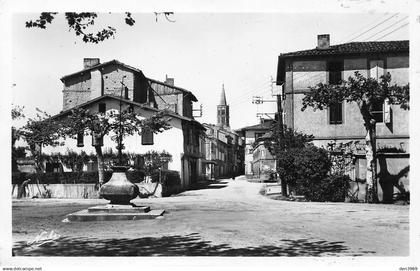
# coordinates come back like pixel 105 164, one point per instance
pixel 210 185
pixel 176 245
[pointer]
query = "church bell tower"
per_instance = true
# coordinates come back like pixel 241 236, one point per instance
pixel 223 110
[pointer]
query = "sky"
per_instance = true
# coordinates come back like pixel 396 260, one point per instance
pixel 201 51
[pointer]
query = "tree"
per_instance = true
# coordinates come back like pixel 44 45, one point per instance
pixel 119 124
pixel 80 22
pixel 39 132
pixel 17 113
pixel 365 92
pixel 282 150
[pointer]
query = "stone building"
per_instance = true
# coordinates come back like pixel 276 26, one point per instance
pixel 343 123
pixel 250 135
pixel 105 86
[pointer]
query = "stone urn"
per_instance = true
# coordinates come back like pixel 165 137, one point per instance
pixel 119 190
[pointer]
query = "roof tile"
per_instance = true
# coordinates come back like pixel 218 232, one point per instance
pixel 355 48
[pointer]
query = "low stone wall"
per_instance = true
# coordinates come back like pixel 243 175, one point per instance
pixel 393 172
pixel 78 191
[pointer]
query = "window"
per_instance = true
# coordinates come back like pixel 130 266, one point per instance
pixel 97 140
pixel 258 135
pixel 378 112
pixel 334 72
pixel 80 137
pixel 102 108
pixel 147 137
pixel 173 107
pixel 336 113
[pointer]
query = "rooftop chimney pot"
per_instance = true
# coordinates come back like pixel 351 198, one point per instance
pixel 323 41
pixel 170 81
pixel 90 62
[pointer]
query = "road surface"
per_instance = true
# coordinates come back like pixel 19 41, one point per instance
pixel 227 218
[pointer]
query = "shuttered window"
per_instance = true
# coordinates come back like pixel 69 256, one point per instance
pixel 336 113
pixel 102 108
pixel 147 137
pixel 80 137
pixel 335 70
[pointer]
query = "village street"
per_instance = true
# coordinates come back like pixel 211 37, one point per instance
pixel 228 218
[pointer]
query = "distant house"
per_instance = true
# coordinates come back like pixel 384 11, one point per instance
pixel 102 87
pixel 263 162
pixel 343 122
pixel 250 135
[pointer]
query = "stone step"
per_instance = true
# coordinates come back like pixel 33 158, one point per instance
pixel 114 208
pixel 85 215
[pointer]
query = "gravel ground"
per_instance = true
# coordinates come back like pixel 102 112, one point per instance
pixel 228 218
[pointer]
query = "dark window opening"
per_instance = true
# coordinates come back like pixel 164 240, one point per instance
pixel 80 137
pixel 258 135
pixel 126 93
pixel 102 108
pixel 378 111
pixel 336 113
pixel 335 72
pixel 147 137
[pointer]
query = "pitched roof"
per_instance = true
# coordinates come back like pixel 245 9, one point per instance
pixel 223 96
pixel 193 98
pixel 143 106
pixel 262 126
pixel 114 61
pixel 355 48
pixel 351 48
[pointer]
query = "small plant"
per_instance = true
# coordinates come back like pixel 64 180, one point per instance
pixel 390 149
pixel 402 196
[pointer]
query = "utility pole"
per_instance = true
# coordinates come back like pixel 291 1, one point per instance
pixel 280 130
pixel 279 122
pixel 120 144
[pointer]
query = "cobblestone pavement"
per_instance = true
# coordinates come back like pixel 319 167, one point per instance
pixel 227 218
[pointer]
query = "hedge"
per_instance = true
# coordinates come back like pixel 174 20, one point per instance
pixel 135 176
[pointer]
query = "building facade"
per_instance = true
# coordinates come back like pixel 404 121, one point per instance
pixel 342 123
pixel 297 71
pixel 101 87
pixel 250 135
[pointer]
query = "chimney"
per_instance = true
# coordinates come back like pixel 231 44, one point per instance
pixel 323 41
pixel 169 81
pixel 90 62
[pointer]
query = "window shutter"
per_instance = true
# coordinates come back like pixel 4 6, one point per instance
pixel 147 137
pixel 376 69
pixel 336 113
pixel 102 108
pixel 387 111
pixel 97 140
pixel 80 137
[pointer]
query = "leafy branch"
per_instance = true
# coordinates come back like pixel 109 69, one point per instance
pixel 79 23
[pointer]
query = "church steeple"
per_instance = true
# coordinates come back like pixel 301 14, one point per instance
pixel 223 110
pixel 223 96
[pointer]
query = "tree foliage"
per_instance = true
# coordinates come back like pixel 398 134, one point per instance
pixel 292 139
pixel 154 160
pixel 366 93
pixel 42 131
pixel 121 124
pixel 361 90
pixel 79 23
